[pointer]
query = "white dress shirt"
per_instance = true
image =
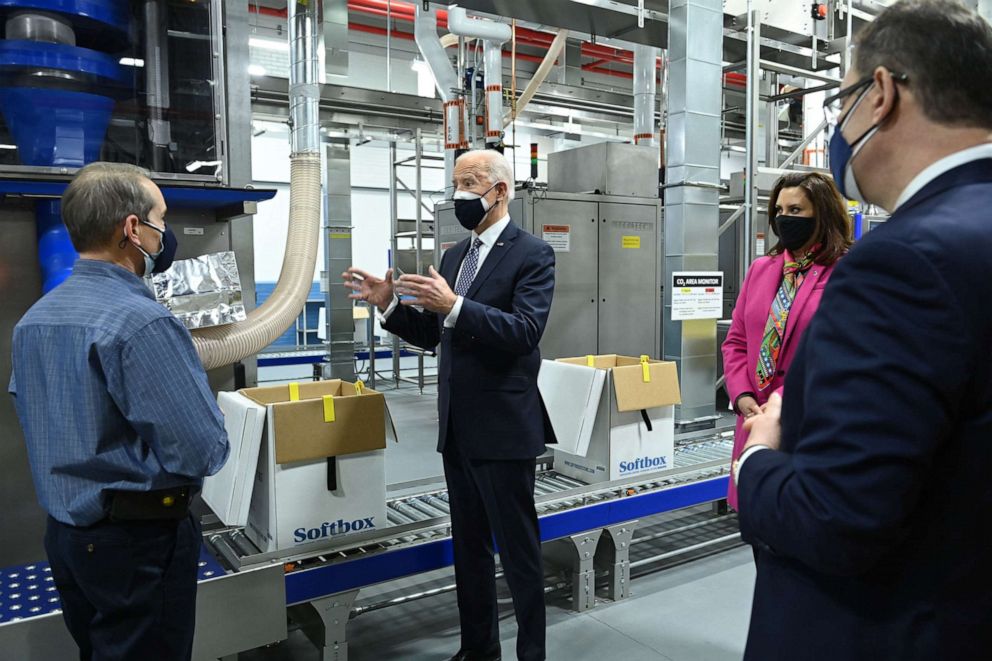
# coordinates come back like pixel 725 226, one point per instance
pixel 945 164
pixel 930 173
pixel 488 239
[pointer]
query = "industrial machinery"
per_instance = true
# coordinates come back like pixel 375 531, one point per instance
pixel 148 83
pixel 602 216
pixel 244 595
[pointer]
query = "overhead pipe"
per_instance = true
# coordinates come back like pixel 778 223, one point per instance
pixel 528 37
pixel 397 34
pixel 543 69
pixel 446 80
pixel 224 345
pixel 494 35
pixel 645 88
pixel 476 28
pixel 406 11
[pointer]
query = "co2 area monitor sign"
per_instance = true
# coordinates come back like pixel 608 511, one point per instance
pixel 697 295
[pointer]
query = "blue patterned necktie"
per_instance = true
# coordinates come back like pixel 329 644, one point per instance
pixel 469 268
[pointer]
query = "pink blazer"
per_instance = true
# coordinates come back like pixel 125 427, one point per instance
pixel 740 349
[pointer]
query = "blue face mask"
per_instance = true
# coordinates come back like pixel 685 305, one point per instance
pixel 842 153
pixel 162 260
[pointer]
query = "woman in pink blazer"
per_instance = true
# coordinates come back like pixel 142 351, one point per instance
pixel 781 292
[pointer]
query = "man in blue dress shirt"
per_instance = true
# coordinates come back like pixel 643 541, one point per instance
pixel 120 426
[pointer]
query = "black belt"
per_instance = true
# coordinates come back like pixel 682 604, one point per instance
pixel 159 505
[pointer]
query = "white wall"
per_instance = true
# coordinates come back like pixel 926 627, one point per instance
pixel 370 172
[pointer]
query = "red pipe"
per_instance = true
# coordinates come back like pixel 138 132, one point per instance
pixel 406 12
pixel 371 29
pixel 736 79
pixel 594 63
pixel 609 72
pixel 266 11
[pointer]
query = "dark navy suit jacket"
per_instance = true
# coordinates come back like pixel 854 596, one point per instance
pixel 871 523
pixel 488 364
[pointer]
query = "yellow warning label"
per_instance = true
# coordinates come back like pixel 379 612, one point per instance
pixel 631 242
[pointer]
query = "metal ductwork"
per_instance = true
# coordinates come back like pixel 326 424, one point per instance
pixel 692 191
pixel 224 345
pixel 645 86
pixel 425 35
pixel 494 35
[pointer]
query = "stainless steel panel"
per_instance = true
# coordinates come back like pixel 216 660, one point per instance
pixel 573 325
pixel 628 277
pixel 240 612
pixel 37 639
pixel 447 229
pixel 697 376
pixel 234 614
pixel 609 168
pixel 21 518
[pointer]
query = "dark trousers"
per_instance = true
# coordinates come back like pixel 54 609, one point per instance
pixel 128 589
pixel 495 499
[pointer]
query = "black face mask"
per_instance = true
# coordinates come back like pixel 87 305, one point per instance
pixel 794 231
pixel 471 208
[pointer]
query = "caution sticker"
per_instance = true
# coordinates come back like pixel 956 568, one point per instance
pixel 559 237
pixel 631 242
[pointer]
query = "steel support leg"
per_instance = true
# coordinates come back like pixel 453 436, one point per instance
pixel 613 558
pixel 575 555
pixel 324 621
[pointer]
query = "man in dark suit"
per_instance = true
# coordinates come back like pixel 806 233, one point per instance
pixel 866 504
pixel 487 308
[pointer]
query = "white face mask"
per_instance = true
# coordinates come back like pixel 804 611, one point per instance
pixel 469 195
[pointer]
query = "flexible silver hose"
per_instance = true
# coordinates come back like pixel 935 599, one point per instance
pixel 224 345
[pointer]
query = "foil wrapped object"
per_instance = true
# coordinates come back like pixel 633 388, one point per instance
pixel 202 292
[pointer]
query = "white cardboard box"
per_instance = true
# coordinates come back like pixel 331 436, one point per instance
pixel 228 492
pixel 598 414
pixel 287 504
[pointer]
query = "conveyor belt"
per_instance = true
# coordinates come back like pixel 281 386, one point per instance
pixel 419 539
pixel 424 517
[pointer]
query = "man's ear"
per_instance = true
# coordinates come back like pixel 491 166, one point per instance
pixel 884 99
pixel 130 228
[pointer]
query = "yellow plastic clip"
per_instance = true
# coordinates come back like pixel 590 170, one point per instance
pixel 590 361
pixel 294 392
pixel 646 368
pixel 359 387
pixel 328 408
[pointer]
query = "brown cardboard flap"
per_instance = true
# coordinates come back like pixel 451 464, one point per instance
pixel 632 393
pixel 603 362
pixel 300 431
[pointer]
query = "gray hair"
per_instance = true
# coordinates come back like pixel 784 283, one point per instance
pixel 945 51
pixel 497 168
pixel 99 198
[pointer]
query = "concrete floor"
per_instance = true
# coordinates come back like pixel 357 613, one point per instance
pixel 697 611
pixel 693 612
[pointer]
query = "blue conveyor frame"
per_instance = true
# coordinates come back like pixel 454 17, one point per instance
pixel 322 581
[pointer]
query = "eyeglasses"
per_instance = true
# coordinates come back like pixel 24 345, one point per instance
pixel 833 106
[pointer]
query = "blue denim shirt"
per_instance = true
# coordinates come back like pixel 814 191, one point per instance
pixel 110 395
